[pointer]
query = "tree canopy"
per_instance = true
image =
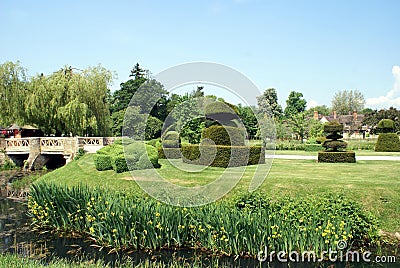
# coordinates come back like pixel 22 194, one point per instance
pixel 268 103
pixel 295 104
pixel 346 101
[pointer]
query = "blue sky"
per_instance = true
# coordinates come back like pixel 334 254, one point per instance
pixel 315 47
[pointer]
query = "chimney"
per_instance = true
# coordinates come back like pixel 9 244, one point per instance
pixel 355 115
pixel 334 115
pixel 316 115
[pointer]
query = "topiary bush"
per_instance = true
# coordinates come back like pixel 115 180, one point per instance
pixel 102 162
pixel 225 135
pixel 388 142
pixel 337 157
pixel 334 146
pixel 113 157
pixel 385 126
pixel 124 141
pixel 225 156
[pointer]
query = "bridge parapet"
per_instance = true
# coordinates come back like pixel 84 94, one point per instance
pixel 18 145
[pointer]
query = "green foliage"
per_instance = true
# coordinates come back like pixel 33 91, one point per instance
pixel 170 143
pixel 334 145
pixel 374 117
pixel 171 135
pixel 170 153
pixel 288 145
pixel 154 142
pixel 388 142
pixel 385 126
pixel 123 141
pixel 299 125
pixel 334 126
pixel 112 149
pixel 221 108
pixel 119 164
pixel 153 128
pixel 8 164
pixel 225 156
pixel 249 120
pixel 225 135
pixel 138 222
pixel 103 162
pixel 337 157
pixel 320 140
pixel 76 101
pixel 347 101
pixel 13 85
pixel 295 104
pixel 268 104
pixel 81 152
pixel 313 147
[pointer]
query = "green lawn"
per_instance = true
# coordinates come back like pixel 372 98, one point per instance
pixel 358 152
pixel 375 184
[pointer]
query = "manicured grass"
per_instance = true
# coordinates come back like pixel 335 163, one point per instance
pixel 358 152
pixel 375 184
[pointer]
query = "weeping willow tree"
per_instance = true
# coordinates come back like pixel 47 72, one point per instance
pixel 70 102
pixel 13 84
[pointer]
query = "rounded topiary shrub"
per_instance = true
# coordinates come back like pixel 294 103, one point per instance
pixel 221 111
pixel 388 142
pixel 170 146
pixel 332 127
pixel 224 135
pixel 102 162
pixel 385 126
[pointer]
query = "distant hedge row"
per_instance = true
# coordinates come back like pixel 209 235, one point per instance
pixel 225 156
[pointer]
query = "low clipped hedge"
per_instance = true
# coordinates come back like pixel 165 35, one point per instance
pixel 337 157
pixel 119 164
pixel 103 162
pixel 170 153
pixel 220 135
pixel 138 155
pixel 388 142
pixel 313 147
pixel 225 156
pixel 171 135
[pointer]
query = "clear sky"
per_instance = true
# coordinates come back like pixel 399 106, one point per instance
pixel 315 47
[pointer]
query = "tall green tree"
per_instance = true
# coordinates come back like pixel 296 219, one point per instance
pixel 268 103
pixel 346 101
pixel 299 125
pixel 249 120
pixel 372 118
pixel 13 85
pixel 321 109
pixel 70 103
pixel 295 104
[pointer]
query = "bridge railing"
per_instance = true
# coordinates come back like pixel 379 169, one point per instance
pixel 52 144
pixel 18 145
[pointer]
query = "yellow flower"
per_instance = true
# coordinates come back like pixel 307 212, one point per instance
pixel 157 214
pixel 114 230
pixel 91 229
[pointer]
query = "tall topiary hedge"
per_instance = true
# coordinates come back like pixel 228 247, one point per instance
pixel 387 140
pixel 334 146
pixel 223 142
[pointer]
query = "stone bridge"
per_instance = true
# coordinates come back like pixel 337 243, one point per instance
pixel 34 153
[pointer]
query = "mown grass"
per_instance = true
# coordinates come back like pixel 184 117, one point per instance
pixel 16 261
pixel 375 184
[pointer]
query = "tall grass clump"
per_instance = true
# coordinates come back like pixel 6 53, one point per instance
pixel 243 226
